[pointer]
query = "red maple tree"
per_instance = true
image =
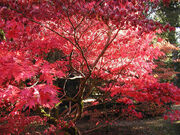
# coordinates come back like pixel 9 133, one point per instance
pixel 106 44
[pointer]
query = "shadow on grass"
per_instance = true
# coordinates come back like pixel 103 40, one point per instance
pixel 151 126
pixel 154 126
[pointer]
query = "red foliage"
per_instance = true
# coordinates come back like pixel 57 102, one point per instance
pixel 18 124
pixel 111 40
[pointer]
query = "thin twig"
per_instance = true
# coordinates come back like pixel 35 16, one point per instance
pixel 108 42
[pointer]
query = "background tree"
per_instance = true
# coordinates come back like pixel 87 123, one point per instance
pixel 170 14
